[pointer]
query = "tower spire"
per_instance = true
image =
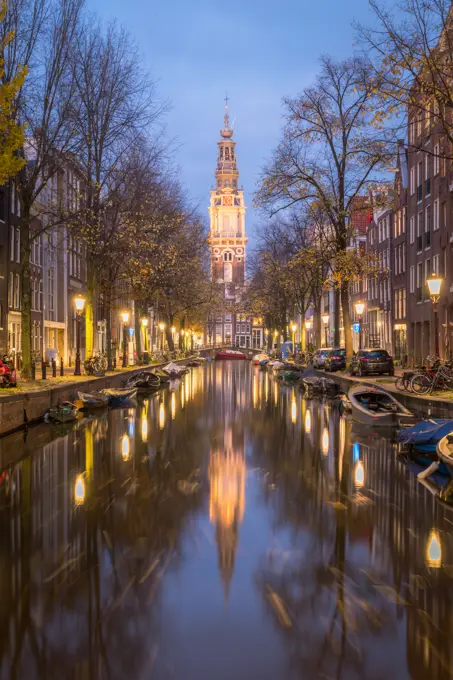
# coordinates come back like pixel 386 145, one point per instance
pixel 227 115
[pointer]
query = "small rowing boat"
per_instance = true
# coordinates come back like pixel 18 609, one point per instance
pixel 63 413
pixel 144 382
pixel 161 374
pixel 260 357
pixel 445 451
pixel 376 407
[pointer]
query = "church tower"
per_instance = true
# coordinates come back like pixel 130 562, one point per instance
pixel 228 241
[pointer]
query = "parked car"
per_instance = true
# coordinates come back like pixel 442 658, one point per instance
pixel 320 356
pixel 335 360
pixel 367 361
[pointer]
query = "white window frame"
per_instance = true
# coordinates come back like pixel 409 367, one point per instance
pixel 412 229
pixel 412 180
pixel 436 162
pixel 412 279
pixel 436 215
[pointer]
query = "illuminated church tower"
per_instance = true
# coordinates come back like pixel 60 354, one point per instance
pixel 228 241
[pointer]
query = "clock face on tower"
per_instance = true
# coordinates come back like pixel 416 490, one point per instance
pixel 228 200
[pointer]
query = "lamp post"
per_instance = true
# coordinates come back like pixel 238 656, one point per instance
pixel 325 320
pixel 144 322
pixel 162 329
pixel 359 309
pixel 308 329
pixel 125 320
pixel 434 286
pixel 266 338
pixel 294 329
pixel 79 305
pixel 275 337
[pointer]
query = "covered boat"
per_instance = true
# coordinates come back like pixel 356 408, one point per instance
pixel 258 358
pixel 445 451
pixel 63 413
pixel 425 435
pixel 314 385
pixel 118 395
pixel 229 354
pixel 277 366
pixel 376 407
pixel 93 399
pixel 175 370
pixel 290 375
pixel 144 382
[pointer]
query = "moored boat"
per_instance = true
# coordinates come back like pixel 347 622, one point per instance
pixel 63 413
pixel 144 382
pixel 260 357
pixel 161 374
pixel 118 395
pixel 175 370
pixel 424 436
pixel 229 354
pixel 376 407
pixel 445 451
pixel 93 399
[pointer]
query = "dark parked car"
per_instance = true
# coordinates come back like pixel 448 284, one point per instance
pixel 319 357
pixel 335 360
pixel 367 361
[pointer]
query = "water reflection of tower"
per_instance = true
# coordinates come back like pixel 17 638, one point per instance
pixel 227 472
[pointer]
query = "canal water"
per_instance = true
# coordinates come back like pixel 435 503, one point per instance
pixel 225 528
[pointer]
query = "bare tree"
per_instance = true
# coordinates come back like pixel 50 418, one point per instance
pixel 329 154
pixel 44 33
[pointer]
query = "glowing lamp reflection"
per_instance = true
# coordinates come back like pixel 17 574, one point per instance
pixel 161 416
pixel 325 441
pixel 293 411
pixel 359 474
pixel 79 490
pixel 434 550
pixel 308 422
pixel 173 406
pixel 125 448
pixel 144 428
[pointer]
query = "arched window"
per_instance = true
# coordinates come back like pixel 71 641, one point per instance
pixel 221 153
pixel 228 272
pixel 227 256
pixel 227 154
pixel 232 153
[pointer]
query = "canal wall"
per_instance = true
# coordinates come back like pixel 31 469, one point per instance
pixel 19 409
pixel 423 407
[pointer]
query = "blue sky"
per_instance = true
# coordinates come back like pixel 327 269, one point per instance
pixel 257 51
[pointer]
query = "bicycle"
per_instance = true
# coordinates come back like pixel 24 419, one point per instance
pixel 404 382
pixel 441 379
pixel 95 365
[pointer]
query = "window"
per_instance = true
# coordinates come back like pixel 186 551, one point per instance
pixel 419 281
pixel 412 181
pixel 428 270
pixel 227 256
pixel 403 312
pixel 396 260
pixel 412 124
pixel 51 293
pixel 17 245
pixel 419 232
pixel 404 258
pixel 428 226
pixel 12 242
pixel 427 176
pixel 444 216
pixel 412 229
pixel 420 182
pixel 436 264
pixel 403 220
pixel 436 215
pixel 11 290
pixel 227 154
pixel 419 124
pixel 16 292
pixel 436 160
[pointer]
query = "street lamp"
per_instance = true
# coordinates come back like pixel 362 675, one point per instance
pixel 294 329
pixel 325 320
pixel 187 341
pixel 144 323
pixel 162 329
pixel 434 286
pixel 125 320
pixel 79 302
pixel 359 309
pixel 79 490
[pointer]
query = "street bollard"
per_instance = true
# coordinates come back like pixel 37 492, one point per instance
pixel 33 370
pixel 54 368
pixel 114 363
pixel 43 369
pixel 61 367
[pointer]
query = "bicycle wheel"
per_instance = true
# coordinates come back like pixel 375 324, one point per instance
pixel 400 384
pixel 421 384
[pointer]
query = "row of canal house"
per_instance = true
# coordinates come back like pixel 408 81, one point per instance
pixel 410 232
pixel 58 271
